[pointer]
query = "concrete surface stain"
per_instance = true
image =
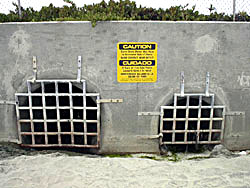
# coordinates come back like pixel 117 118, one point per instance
pixel 205 44
pixel 244 80
pixel 19 43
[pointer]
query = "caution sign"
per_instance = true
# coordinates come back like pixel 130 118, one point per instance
pixel 136 62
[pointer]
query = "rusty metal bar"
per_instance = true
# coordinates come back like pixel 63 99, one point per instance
pixel 211 119
pixel 51 120
pixel 59 145
pixel 149 113
pixel 18 119
pixel 109 100
pixel 31 112
pixel 59 94
pixel 56 133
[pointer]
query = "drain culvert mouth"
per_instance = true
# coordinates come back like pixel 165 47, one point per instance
pixel 58 113
pixel 192 119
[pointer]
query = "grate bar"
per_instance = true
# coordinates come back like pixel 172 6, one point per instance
pixel 193 94
pixel 84 112
pixel 58 94
pixel 61 120
pixel 211 119
pixel 44 113
pixel 192 131
pixel 161 123
pixel 61 145
pixel 192 119
pixel 174 122
pixel 30 111
pixel 55 80
pixel 18 118
pixel 192 107
pixel 199 117
pixel 60 107
pixel 186 122
pixel 98 121
pixel 58 114
pixel 71 107
pixel 193 142
pixel 57 133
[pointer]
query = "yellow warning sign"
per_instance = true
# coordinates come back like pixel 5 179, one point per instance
pixel 136 62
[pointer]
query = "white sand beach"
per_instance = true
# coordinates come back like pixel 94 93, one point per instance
pixel 61 171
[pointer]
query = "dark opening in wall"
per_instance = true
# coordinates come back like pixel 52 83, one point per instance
pixel 78 139
pixel 38 127
pixel 66 139
pixel 64 101
pixel 65 126
pixel 53 139
pixel 191 123
pixel 26 139
pixel 55 114
pixel 48 88
pixel 52 127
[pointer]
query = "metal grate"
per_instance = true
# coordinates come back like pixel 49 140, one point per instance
pixel 192 119
pixel 58 113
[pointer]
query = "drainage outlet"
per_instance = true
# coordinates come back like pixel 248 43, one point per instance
pixel 192 119
pixel 58 113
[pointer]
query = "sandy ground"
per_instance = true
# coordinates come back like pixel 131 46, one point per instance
pixel 58 170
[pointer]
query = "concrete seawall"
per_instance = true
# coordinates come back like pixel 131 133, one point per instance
pixel 221 48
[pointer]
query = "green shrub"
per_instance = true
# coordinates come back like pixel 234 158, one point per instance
pixel 122 10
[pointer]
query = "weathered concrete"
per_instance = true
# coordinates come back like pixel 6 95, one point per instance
pixel 221 48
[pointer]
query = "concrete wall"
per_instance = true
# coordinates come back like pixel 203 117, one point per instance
pixel 221 48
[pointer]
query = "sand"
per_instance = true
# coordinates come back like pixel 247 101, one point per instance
pixel 58 170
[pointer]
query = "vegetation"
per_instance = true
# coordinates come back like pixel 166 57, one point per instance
pixel 173 157
pixel 150 157
pixel 118 155
pixel 122 10
pixel 199 157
